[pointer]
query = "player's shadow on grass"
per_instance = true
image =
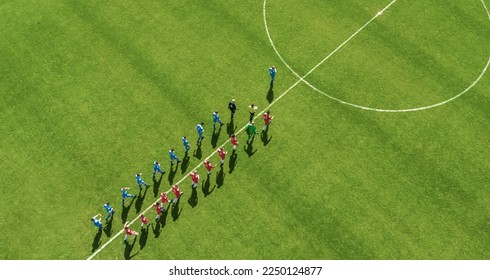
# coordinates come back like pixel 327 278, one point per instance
pixel 156 228
pixel 163 217
pixel 128 248
pixel 263 137
pixel 215 137
pixel 206 185
pixel 198 152
pixel 108 227
pixel 143 237
pixel 230 128
pixel 176 211
pixel 139 201
pixel 125 211
pixel 172 172
pixel 185 163
pixel 96 242
pixel 270 94
pixel 220 178
pixel 156 185
pixel 193 200
pixel 233 162
pixel 249 149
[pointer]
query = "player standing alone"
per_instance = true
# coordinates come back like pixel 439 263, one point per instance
pixel 272 73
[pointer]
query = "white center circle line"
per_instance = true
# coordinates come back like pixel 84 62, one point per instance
pixel 302 78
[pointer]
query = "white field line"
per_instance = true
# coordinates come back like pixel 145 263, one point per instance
pixel 486 9
pixel 360 106
pixel 243 128
pixel 328 56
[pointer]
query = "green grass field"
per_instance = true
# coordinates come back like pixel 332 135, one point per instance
pixel 93 92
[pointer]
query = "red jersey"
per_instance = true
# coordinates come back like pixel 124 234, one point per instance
pixel 221 153
pixel 158 209
pixel 208 165
pixel 267 118
pixel 194 177
pixel 163 197
pixel 144 220
pixel 176 191
pixel 128 231
pixel 234 141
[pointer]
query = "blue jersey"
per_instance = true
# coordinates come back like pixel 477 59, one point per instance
pixel 185 142
pixel 215 117
pixel 156 166
pixel 108 208
pixel 124 193
pixel 172 154
pixel 97 223
pixel 200 129
pixel 272 72
pixel 138 179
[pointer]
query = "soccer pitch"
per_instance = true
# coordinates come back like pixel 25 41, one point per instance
pixel 379 148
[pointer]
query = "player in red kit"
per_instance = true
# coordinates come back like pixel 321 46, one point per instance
pixel 177 193
pixel 195 179
pixel 234 142
pixel 208 166
pixel 222 154
pixel 159 209
pixel 267 119
pixel 129 232
pixel 144 220
pixel 164 198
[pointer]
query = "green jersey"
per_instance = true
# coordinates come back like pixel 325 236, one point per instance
pixel 251 129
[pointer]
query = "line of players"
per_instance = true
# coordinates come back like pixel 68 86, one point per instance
pixel 164 200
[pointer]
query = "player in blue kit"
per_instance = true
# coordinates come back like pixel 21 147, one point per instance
pixel 125 194
pixel 110 211
pixel 156 168
pixel 216 119
pixel 186 144
pixel 200 131
pixel 173 156
pixel 272 72
pixel 96 221
pixel 140 181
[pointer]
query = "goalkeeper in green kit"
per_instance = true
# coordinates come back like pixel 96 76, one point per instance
pixel 251 131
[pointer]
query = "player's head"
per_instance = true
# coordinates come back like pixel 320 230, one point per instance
pixel 107 203
pixel 185 137
pixel 202 123
pixel 172 149
pixel 92 219
pixel 273 67
pixel 142 216
pixel 195 171
pixel 233 100
pixel 268 112
pixel 233 135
